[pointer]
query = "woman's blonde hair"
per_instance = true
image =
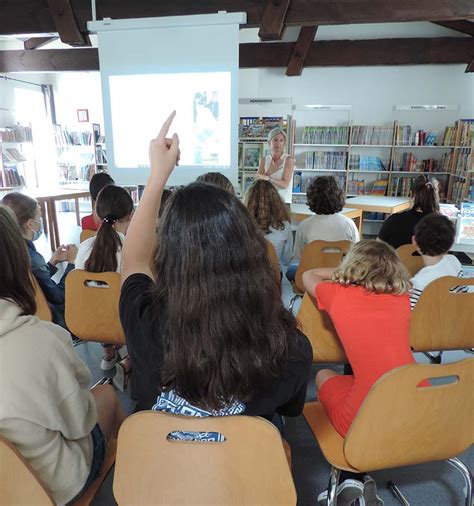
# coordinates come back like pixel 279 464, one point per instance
pixel 375 266
pixel 276 131
pixel 266 206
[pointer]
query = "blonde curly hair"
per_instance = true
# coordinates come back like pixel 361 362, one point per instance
pixel 375 266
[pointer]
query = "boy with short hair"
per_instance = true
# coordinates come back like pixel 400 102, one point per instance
pixel 434 237
pixel 97 182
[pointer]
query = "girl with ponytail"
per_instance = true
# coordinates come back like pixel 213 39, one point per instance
pixel 399 228
pixel 103 252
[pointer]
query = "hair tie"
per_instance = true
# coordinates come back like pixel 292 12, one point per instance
pixel 428 183
pixel 110 219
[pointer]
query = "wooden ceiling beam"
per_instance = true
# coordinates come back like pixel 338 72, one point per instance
pixel 37 42
pixel 66 24
pixel 346 53
pixel 273 19
pixel 300 50
pixel 34 16
pixel 462 26
pixel 329 53
pixel 49 60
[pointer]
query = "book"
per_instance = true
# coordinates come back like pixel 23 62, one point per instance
pixel 252 155
pixel 379 187
pixel 466 224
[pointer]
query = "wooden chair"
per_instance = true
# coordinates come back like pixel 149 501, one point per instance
pixel 92 312
pixel 274 260
pixel 318 254
pixel 410 258
pixel 401 423
pixel 43 311
pixel 443 320
pixel 87 234
pixel 319 329
pixel 20 485
pixel 248 468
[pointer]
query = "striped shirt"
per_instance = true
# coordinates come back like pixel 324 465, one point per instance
pixel 449 265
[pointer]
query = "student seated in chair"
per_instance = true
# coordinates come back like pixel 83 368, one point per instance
pixel 97 182
pixel 103 252
pixel 47 410
pixel 367 299
pixel 326 201
pixel 271 215
pixel 208 334
pixel 434 237
pixel 218 179
pixel 28 215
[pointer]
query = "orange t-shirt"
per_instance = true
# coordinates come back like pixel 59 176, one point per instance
pixel 374 330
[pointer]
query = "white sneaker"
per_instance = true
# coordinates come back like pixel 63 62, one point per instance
pixel 106 364
pixel 370 496
pixel 347 492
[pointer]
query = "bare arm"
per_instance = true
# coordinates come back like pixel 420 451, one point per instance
pixel 313 277
pixel 138 247
pixel 287 174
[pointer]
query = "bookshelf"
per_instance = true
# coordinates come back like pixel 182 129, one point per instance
pixel 17 160
pixel 253 145
pixel 383 160
pixel 100 151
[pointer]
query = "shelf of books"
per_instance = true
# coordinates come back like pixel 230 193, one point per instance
pixel 253 144
pixel 17 156
pixel 75 154
pixel 384 160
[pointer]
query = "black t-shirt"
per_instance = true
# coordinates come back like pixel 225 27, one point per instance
pixel 285 395
pixel 399 228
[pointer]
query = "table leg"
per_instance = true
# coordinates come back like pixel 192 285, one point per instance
pixel 78 215
pixel 44 216
pixel 54 224
pixel 358 222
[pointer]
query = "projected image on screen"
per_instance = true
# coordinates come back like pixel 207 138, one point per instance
pixel 140 103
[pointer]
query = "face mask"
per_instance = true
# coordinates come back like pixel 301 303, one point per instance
pixel 38 233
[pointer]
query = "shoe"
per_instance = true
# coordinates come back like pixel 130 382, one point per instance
pixel 106 364
pixel 370 492
pixel 347 492
pixel 120 380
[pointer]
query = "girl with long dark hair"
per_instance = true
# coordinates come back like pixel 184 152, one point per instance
pixel 207 334
pixel 47 411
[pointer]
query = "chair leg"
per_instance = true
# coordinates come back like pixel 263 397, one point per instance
pixel 435 359
pixel 396 492
pixel 456 463
pixel 293 300
pixel 332 486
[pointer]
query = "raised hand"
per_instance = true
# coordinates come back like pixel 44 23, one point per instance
pixel 164 152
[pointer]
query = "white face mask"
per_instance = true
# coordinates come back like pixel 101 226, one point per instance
pixel 38 233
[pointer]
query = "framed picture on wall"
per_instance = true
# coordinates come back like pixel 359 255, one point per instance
pixel 83 115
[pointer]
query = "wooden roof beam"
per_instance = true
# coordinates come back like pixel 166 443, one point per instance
pixel 66 23
pixel 37 42
pixel 300 50
pixel 33 16
pixel 273 19
pixel 462 26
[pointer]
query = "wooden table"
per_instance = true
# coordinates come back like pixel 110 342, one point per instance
pixel 376 204
pixel 300 212
pixel 47 199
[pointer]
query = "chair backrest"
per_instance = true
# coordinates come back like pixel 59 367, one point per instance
pixel 92 311
pixel 43 311
pixel 19 484
pixel 249 467
pixel 443 320
pixel 273 260
pixel 87 234
pixel 401 423
pixel 410 258
pixel 320 254
pixel 319 329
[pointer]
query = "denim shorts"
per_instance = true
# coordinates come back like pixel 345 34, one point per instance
pixel 98 454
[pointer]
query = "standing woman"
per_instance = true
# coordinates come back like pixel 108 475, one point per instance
pixel 278 166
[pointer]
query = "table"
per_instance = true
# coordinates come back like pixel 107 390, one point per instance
pixel 47 199
pixel 300 212
pixel 378 204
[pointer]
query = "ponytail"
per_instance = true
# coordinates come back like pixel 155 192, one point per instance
pixel 113 204
pixel 426 194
